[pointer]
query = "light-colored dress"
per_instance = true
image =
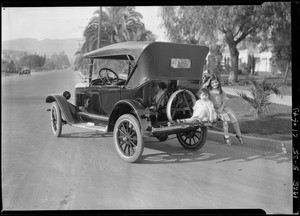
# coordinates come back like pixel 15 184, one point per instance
pixel 204 107
pixel 227 114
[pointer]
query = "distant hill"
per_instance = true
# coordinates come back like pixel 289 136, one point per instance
pixel 43 47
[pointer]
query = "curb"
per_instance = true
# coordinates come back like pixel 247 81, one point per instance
pixel 253 142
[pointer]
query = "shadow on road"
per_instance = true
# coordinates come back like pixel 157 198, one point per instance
pixel 172 153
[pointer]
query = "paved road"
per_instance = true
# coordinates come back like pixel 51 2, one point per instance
pixel 81 170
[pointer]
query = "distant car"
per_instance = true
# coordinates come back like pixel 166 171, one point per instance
pixel 25 71
pixel 121 98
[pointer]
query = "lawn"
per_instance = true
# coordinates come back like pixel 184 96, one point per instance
pixel 276 124
pixel 284 89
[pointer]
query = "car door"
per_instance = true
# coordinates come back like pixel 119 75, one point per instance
pixel 109 96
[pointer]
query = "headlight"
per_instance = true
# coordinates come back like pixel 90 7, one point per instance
pixel 67 95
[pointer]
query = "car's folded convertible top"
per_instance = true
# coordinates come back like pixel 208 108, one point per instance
pixel 154 59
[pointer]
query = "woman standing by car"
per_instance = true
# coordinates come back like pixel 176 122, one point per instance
pixel 225 113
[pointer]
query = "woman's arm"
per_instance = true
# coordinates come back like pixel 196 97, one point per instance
pixel 223 102
pixel 211 119
pixel 222 106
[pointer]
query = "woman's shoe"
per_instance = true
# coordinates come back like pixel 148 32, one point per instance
pixel 240 139
pixel 228 140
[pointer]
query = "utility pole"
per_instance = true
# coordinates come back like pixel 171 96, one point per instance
pixel 99 27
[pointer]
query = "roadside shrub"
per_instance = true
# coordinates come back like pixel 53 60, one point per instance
pixel 259 98
pixel 245 68
pixel 246 80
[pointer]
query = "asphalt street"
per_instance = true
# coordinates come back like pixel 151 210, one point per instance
pixel 81 170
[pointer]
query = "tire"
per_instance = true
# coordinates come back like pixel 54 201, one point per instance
pixel 172 97
pixel 128 139
pixel 55 119
pixel 193 140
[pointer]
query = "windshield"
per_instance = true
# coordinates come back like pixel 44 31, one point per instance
pixel 121 67
pixel 118 66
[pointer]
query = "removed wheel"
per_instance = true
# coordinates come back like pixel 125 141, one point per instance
pixel 193 140
pixel 128 139
pixel 56 120
pixel 181 101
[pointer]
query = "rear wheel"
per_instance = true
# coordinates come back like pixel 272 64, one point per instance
pixel 56 120
pixel 193 140
pixel 128 139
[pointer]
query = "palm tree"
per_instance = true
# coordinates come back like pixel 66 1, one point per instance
pixel 138 35
pixel 118 24
pixel 259 98
pixel 91 33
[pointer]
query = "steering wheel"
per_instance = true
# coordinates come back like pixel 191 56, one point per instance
pixel 108 76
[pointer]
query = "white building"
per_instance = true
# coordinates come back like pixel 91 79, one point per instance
pixel 263 61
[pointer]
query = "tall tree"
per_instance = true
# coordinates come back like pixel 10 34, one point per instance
pixel 116 22
pixel 277 37
pixel 208 24
pixel 136 35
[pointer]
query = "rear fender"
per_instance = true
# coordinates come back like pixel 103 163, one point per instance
pixel 131 106
pixel 68 110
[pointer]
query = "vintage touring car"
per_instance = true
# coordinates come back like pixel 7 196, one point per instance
pixel 122 97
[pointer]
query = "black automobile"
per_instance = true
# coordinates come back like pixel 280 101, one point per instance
pixel 123 97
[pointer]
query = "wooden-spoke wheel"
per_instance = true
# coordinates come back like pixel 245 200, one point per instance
pixel 128 139
pixel 56 120
pixel 180 104
pixel 193 140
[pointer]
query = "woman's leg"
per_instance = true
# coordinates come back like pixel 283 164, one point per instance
pixel 238 132
pixel 225 129
pixel 226 134
pixel 237 128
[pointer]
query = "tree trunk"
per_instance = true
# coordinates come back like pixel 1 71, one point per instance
pixel 286 72
pixel 234 55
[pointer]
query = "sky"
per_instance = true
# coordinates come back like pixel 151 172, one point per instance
pixel 62 22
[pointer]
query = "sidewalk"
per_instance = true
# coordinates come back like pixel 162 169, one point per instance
pixel 284 100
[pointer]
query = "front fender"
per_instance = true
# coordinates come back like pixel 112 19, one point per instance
pixel 130 106
pixel 68 110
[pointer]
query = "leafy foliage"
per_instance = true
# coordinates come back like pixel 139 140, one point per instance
pixel 8 66
pixel 211 24
pixel 57 61
pixel 259 98
pixel 277 36
pixel 119 24
pixel 32 61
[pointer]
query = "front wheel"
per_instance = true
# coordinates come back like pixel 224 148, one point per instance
pixel 128 139
pixel 193 140
pixel 56 120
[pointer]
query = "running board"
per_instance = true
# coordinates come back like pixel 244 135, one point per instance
pixel 91 126
pixel 175 128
